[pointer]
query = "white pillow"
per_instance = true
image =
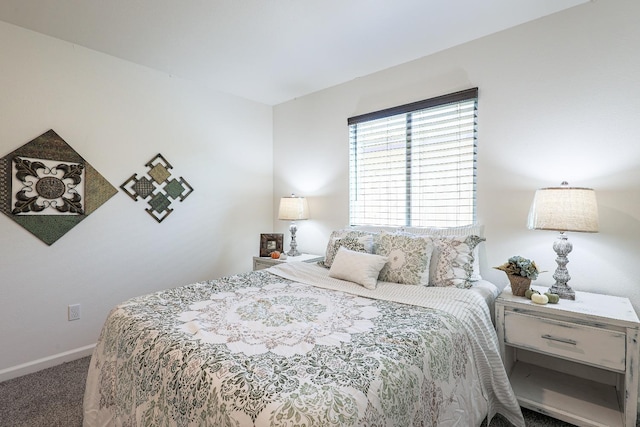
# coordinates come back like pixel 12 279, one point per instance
pixel 358 267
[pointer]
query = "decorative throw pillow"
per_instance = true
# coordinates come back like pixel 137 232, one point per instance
pixel 452 263
pixel 358 241
pixel 358 267
pixel 460 231
pixel 408 258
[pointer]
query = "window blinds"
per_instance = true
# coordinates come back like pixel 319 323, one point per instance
pixel 415 165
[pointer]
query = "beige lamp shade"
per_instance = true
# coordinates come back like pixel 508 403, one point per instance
pixel 564 208
pixel 293 208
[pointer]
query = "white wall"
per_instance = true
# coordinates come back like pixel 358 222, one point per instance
pixel 118 115
pixel 559 99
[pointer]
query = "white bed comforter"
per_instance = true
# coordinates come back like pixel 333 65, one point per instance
pixel 292 347
pixel 465 304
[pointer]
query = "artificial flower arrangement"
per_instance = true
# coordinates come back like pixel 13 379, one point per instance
pixel 520 266
pixel 520 271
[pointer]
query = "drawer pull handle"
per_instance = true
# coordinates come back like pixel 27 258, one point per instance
pixel 558 339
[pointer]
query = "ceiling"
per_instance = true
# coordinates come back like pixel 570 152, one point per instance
pixel 272 51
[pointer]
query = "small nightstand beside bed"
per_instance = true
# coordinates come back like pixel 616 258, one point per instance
pixel 293 344
pixel 576 360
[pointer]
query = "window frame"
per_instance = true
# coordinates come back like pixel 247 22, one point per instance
pixel 408 109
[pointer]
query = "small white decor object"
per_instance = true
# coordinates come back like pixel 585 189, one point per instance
pixel 541 299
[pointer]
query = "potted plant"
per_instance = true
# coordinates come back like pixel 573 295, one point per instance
pixel 520 271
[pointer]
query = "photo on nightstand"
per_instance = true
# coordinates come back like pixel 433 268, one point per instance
pixel 270 243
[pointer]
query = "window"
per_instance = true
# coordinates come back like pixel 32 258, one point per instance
pixel 415 165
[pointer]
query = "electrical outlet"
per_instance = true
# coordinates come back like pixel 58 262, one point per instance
pixel 74 312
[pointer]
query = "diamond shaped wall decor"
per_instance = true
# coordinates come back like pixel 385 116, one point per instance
pixel 48 188
pixel 160 188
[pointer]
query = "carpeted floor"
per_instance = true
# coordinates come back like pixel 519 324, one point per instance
pixel 53 398
pixel 49 398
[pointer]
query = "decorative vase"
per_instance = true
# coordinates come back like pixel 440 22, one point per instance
pixel 519 284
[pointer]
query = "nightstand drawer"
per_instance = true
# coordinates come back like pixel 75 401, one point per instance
pixel 260 265
pixel 596 346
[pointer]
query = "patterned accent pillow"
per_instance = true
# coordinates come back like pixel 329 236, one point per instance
pixel 408 256
pixel 358 267
pixel 452 262
pixel 460 231
pixel 358 241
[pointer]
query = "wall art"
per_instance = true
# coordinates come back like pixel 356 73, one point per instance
pixel 160 188
pixel 48 188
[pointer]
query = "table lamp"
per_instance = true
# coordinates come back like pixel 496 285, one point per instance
pixel 293 209
pixel 564 209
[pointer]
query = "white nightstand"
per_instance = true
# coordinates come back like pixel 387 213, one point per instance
pixel 265 262
pixel 576 360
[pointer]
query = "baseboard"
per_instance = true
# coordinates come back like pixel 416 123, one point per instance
pixel 45 362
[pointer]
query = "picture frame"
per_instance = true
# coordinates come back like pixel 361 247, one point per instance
pixel 271 242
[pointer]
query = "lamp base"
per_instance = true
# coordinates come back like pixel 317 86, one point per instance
pixel 563 291
pixel 562 246
pixel 293 251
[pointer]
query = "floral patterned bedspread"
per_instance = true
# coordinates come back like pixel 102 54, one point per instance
pixel 260 349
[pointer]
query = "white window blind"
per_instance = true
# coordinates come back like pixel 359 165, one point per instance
pixel 415 165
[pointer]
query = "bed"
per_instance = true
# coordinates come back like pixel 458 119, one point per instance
pixel 294 345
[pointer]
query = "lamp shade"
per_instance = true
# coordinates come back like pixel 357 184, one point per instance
pixel 293 208
pixel 564 208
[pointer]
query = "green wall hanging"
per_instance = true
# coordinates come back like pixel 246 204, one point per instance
pixel 160 188
pixel 48 188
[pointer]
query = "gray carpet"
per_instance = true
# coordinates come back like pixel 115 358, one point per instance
pixel 53 398
pixel 49 398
